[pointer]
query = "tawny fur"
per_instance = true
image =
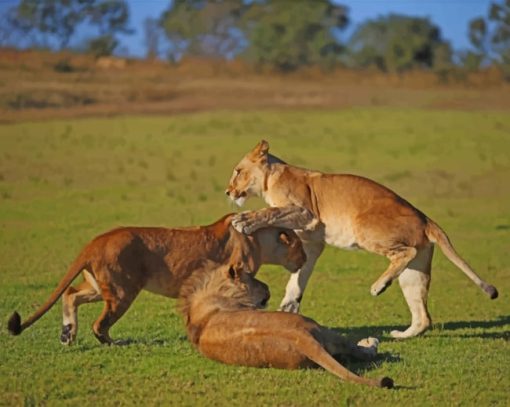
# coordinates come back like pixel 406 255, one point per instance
pixel 119 264
pixel 222 321
pixel 351 212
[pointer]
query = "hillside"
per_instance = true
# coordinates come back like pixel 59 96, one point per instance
pixel 38 85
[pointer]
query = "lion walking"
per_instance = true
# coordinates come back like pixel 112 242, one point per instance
pixel 118 264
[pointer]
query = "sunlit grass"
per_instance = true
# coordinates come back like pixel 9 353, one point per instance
pixel 63 182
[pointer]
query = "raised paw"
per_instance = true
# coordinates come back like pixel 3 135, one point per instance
pixel 242 224
pixel 379 287
pixel 290 306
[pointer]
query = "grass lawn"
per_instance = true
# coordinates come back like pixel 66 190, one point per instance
pixel 63 182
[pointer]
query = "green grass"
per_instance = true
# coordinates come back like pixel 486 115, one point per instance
pixel 63 182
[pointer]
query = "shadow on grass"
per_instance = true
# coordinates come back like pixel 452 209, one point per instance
pixel 361 366
pixel 149 342
pixel 131 342
pixel 382 331
pixel 498 322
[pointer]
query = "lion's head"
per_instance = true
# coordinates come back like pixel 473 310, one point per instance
pixel 221 288
pixel 249 174
pixel 282 247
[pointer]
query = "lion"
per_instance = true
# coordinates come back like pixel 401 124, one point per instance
pixel 351 212
pixel 117 265
pixel 224 322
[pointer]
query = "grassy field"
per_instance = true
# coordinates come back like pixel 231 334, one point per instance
pixel 63 182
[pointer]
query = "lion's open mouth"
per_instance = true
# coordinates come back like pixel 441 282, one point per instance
pixel 240 201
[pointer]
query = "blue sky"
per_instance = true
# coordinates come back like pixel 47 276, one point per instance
pixel 452 16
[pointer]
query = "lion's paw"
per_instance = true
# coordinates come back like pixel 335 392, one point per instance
pixel 369 342
pixel 290 306
pixel 242 224
pixel 369 346
pixel 66 337
pixel 379 287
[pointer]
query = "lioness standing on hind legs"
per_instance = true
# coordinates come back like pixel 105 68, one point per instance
pixel 351 212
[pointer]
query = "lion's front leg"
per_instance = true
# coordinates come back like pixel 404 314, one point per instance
pixel 297 282
pixel 289 217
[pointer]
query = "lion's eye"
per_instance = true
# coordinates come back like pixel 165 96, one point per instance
pixel 237 171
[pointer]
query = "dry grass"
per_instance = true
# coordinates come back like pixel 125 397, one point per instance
pixel 37 85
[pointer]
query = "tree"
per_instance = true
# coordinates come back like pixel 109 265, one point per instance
pixel 102 46
pixel 499 16
pixel 281 33
pixel 396 43
pixel 478 36
pixel 204 27
pixel 490 37
pixel 59 19
pixel 290 34
pixel 55 18
pixel 109 16
pixel 152 33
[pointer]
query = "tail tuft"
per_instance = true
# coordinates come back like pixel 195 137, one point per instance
pixel 491 291
pixel 386 382
pixel 14 324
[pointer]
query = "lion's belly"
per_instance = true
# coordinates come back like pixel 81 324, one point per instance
pixel 340 234
pixel 163 283
pixel 338 231
pixel 257 351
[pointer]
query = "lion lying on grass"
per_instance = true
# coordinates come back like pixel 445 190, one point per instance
pixel 120 263
pixel 222 321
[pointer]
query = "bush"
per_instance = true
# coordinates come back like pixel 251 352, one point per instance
pixel 63 66
pixel 102 46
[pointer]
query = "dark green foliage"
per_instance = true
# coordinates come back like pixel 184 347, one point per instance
pixel 101 46
pixel 490 37
pixel 396 43
pixel 59 19
pixel 63 66
pixel 290 34
pixel 281 34
pixel 56 18
pixel 499 16
pixel 204 28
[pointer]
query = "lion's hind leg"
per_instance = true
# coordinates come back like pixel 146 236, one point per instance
pixel 320 354
pixel 114 308
pixel 84 293
pixel 399 259
pixel 415 282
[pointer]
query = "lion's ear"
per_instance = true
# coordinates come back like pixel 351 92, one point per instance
pixel 235 271
pixel 232 272
pixel 261 149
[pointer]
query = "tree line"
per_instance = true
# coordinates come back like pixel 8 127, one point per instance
pixel 282 34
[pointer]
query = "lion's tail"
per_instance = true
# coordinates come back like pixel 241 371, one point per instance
pixel 316 353
pixel 436 235
pixel 14 324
